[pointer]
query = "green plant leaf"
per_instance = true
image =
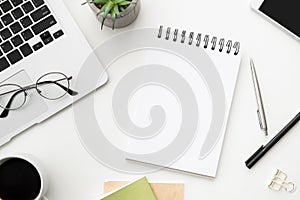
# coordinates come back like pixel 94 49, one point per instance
pixel 102 9
pixel 100 1
pixel 124 3
pixel 113 17
pixel 122 9
pixel 116 10
pixel 119 1
pixel 103 20
pixel 108 8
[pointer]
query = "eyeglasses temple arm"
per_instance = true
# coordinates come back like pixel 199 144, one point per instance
pixel 68 90
pixel 5 112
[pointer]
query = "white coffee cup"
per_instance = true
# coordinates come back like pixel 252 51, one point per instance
pixel 37 165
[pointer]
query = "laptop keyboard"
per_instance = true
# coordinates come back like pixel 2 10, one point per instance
pixel 24 28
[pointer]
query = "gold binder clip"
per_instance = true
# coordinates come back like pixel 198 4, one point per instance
pixel 279 181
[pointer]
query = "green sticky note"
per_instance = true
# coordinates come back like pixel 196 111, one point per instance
pixel 138 190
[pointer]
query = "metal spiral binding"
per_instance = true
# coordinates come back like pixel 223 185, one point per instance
pixel 183 36
pixel 160 31
pixel 206 41
pixel 175 35
pixel 221 43
pixel 214 43
pixel 168 33
pixel 191 38
pixel 229 45
pixel 198 40
pixel 237 48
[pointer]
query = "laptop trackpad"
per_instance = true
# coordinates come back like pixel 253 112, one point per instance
pixel 34 106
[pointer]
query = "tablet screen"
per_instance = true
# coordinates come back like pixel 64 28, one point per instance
pixel 285 12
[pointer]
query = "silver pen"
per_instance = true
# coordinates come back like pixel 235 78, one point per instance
pixel 260 107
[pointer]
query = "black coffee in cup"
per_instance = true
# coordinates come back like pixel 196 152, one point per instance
pixel 19 180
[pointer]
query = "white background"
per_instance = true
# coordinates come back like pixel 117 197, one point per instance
pixel 74 174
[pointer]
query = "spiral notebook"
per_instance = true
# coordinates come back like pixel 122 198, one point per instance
pixel 194 121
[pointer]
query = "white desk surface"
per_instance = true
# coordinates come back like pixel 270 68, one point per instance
pixel 74 174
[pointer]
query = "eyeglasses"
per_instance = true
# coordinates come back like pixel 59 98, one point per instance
pixel 51 86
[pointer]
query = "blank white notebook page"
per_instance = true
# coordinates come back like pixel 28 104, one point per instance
pixel 191 93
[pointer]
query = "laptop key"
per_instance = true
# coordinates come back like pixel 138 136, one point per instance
pixel 26 21
pixel 16 2
pixel 37 46
pixel 3 64
pixel 58 34
pixel 46 37
pixel 17 40
pixel 38 3
pixel 27 7
pixel 40 13
pixel 43 25
pixel 14 56
pixel 17 13
pixel 6 6
pixel 7 19
pixel 16 27
pixel 6 47
pixel 1 54
pixel 26 50
pixel 1 25
pixel 5 34
pixel 27 34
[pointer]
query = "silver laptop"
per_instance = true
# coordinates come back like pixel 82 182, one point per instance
pixel 41 53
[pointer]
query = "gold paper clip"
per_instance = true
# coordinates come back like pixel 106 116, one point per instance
pixel 279 181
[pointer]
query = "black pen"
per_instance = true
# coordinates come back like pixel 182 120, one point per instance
pixel 265 148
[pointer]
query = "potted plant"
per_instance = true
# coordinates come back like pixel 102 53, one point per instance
pixel 115 13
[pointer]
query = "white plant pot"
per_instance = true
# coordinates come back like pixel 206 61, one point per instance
pixel 124 19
